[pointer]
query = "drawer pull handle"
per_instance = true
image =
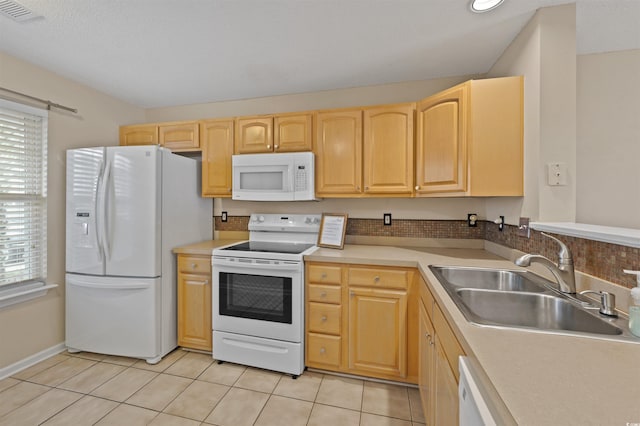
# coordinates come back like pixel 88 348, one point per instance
pixel 322 350
pixel 324 318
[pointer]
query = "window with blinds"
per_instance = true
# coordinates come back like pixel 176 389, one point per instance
pixel 23 194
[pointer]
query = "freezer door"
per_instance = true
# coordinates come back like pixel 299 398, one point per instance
pixel 83 249
pixel 115 316
pixel 133 211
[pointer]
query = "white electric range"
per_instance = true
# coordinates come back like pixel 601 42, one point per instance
pixel 258 293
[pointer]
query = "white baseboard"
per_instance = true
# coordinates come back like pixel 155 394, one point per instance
pixel 31 360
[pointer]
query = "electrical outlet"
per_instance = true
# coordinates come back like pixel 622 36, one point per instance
pixel 523 227
pixel 224 217
pixel 387 219
pixel 472 220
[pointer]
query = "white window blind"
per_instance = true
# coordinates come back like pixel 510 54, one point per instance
pixel 23 194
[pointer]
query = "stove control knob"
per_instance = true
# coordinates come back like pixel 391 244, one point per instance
pixel 260 219
pixel 307 220
pixel 316 220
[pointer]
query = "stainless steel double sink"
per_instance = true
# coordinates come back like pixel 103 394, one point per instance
pixel 521 299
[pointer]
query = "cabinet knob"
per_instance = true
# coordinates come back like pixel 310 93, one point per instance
pixel 268 146
pixel 194 266
pixel 322 350
pixel 430 342
pixel 324 318
pixel 323 276
pixel 229 189
pixel 275 146
pixel 323 294
pixel 366 188
pixel 417 187
pixel 376 279
pixel 357 188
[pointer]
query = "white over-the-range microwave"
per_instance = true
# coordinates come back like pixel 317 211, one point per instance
pixel 274 177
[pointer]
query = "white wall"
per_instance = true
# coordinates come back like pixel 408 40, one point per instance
pixel 544 52
pixel 31 327
pixel 608 147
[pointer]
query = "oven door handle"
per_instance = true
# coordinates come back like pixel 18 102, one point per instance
pixel 251 265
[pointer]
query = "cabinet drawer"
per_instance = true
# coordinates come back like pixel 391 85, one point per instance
pixel 324 318
pixel 450 345
pixel 386 278
pixel 324 293
pixel 325 274
pixel 194 264
pixel 322 349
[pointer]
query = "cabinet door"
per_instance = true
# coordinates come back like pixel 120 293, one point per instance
pixel 292 133
pixel 445 399
pixel 194 311
pixel 388 150
pixel 217 148
pixel 441 146
pixel 254 135
pixel 338 148
pixel 378 331
pixel 180 136
pixel 139 135
pixel 426 364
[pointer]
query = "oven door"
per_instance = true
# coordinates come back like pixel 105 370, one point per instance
pixel 259 298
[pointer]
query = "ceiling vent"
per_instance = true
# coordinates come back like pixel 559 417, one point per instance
pixel 16 11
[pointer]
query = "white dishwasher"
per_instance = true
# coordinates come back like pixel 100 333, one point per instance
pixel 473 407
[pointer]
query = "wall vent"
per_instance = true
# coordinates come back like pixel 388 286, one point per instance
pixel 16 11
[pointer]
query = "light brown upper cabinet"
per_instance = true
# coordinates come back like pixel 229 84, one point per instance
pixel 217 148
pixel 388 150
pixel 279 133
pixel 469 140
pixel 254 135
pixel 293 132
pixel 338 149
pixel 362 153
pixel 182 136
pixel 139 134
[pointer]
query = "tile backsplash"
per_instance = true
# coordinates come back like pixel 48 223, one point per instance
pixel 602 260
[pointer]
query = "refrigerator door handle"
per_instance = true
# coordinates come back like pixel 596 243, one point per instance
pixel 110 286
pixel 98 217
pixel 104 193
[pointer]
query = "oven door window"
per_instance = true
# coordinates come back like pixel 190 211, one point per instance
pixel 257 297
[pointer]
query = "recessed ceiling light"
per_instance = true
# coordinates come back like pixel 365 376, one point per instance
pixel 479 6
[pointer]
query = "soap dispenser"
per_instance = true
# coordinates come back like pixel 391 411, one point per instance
pixel 634 307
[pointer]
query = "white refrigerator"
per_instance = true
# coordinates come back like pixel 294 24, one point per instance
pixel 126 209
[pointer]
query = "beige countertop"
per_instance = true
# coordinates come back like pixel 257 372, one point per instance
pixel 203 248
pixel 541 378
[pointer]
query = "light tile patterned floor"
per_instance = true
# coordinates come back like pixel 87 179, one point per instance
pixel 191 389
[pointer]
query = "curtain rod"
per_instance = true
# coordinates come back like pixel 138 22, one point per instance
pixel 49 104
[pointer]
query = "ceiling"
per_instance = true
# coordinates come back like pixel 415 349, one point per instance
pixel 155 53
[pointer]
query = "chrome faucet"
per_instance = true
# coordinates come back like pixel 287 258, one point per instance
pixel 563 271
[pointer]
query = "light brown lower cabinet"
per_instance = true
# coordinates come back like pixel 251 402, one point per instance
pixel 194 302
pixel 362 320
pixel 438 363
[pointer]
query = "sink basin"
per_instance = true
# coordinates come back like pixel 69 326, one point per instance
pixel 521 299
pixel 538 311
pixel 488 279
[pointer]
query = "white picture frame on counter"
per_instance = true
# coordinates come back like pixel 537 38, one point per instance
pixel 333 227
